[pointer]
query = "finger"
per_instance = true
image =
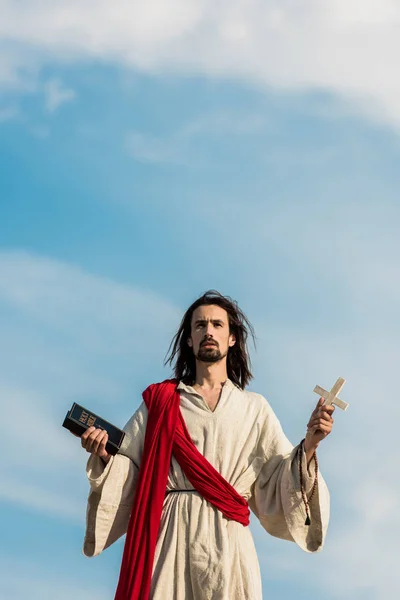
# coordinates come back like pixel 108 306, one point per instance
pixel 327 408
pixel 319 422
pixel 324 427
pixel 318 417
pixel 314 414
pixel 87 433
pixel 323 412
pixel 89 442
pixel 97 442
pixel 102 447
pixel 321 427
pixel 319 406
pixel 325 416
pixel 97 437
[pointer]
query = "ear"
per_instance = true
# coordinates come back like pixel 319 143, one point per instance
pixel 189 342
pixel 232 340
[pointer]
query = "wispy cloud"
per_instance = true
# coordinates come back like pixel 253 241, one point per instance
pixel 151 149
pixel 48 304
pixel 56 94
pixel 349 49
pixel 227 122
pixel 67 336
pixel 180 147
pixel 345 296
pixel 8 114
pixel 30 580
pixel 38 499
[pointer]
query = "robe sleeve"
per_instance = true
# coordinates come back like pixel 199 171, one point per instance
pixel 112 488
pixel 276 495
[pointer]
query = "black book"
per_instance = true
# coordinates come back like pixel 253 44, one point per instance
pixel 78 419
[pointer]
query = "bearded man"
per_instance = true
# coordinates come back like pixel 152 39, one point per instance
pixel 198 452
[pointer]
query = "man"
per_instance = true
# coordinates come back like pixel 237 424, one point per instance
pixel 212 449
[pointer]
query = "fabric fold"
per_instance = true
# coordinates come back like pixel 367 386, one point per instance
pixel 166 433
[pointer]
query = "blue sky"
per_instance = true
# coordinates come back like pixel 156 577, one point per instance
pixel 148 155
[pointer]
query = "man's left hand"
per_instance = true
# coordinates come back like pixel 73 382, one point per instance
pixel 320 424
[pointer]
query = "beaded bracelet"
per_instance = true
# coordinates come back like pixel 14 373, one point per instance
pixel 314 487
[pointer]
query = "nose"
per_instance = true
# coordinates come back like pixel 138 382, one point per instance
pixel 208 337
pixel 209 330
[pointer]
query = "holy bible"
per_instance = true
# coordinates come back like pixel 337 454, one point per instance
pixel 78 419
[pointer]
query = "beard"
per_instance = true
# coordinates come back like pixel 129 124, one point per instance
pixel 210 355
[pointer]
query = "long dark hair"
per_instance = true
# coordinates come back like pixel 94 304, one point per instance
pixel 180 356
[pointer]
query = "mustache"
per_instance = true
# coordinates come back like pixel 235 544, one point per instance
pixel 208 342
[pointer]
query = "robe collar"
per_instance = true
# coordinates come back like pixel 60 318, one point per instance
pixel 228 385
pixel 195 397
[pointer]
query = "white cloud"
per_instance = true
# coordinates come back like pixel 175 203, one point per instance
pixel 180 147
pixel 57 320
pixel 77 303
pixel 151 149
pixel 349 48
pixel 31 580
pixel 67 336
pixel 219 123
pixel 320 283
pixel 56 94
pixel 348 254
pixel 8 114
pixel 35 498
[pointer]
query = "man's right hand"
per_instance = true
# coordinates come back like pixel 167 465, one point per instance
pixel 94 441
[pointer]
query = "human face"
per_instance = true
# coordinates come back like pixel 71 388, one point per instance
pixel 210 336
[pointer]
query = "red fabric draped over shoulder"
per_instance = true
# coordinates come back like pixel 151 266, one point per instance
pixel 166 433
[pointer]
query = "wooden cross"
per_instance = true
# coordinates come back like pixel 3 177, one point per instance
pixel 332 396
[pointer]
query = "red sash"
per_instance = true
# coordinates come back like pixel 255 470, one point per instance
pixel 166 433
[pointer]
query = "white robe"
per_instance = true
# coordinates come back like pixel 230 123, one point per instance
pixel 200 554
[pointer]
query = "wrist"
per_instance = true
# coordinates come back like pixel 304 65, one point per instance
pixel 311 440
pixel 310 448
pixel 106 459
